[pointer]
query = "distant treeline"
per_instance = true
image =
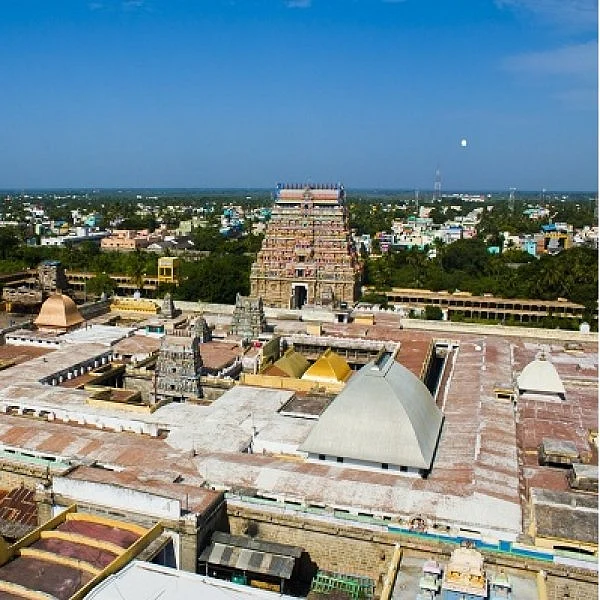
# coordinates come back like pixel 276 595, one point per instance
pixel 466 265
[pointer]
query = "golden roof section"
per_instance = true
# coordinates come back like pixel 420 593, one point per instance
pixel 139 305
pixel 464 572
pixel 292 363
pixel 329 368
pixel 58 312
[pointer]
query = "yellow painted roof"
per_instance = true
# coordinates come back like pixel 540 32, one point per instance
pixel 292 363
pixel 330 368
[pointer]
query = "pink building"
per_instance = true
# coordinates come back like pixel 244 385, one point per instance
pixel 127 240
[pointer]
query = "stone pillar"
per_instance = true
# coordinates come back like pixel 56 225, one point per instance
pixel 188 544
pixel 44 505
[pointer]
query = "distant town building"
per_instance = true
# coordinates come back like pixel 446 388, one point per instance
pixel 168 269
pixel 557 237
pixel 128 240
pixel 231 223
pixel 307 256
pixel 72 236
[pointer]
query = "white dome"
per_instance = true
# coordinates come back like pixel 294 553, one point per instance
pixel 540 377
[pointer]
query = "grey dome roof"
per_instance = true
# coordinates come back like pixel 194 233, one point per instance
pixel 540 376
pixel 385 414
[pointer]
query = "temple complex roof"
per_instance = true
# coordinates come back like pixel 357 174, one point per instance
pixel 68 555
pixel 564 516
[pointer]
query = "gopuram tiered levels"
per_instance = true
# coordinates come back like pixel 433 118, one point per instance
pixel 307 256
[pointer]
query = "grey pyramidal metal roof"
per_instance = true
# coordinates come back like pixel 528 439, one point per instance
pixel 385 414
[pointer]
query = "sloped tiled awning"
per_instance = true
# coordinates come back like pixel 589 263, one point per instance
pixel 236 552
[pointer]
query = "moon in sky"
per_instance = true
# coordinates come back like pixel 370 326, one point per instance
pixel 463 143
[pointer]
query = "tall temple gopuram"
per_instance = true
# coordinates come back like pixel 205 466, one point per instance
pixel 307 256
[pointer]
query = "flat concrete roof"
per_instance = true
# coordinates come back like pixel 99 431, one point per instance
pixel 53 362
pixel 476 480
pixel 140 580
pixel 549 417
pixel 218 355
pixel 22 354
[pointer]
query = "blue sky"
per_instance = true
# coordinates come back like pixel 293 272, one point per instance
pixel 245 93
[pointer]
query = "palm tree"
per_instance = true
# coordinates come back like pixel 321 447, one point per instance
pixel 136 269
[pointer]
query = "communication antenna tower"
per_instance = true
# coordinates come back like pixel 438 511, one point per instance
pixel 417 201
pixel 437 186
pixel 511 199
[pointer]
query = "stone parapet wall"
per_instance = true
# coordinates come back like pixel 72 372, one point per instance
pixel 561 335
pixel 10 480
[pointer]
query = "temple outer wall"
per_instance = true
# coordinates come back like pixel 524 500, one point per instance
pixel 13 479
pixel 329 546
pixel 334 546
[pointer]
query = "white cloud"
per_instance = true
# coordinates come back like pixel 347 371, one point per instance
pixel 580 98
pixel 578 60
pixel 580 14
pixel 133 4
pixel 298 3
pixel 572 72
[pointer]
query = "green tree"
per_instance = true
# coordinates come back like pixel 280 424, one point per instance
pixel 99 284
pixel 468 255
pixel 433 313
pixel 136 268
pixel 9 242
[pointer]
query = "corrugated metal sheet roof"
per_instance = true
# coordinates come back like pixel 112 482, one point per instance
pixel 18 513
pixel 249 554
pixel 243 559
pixel 256 544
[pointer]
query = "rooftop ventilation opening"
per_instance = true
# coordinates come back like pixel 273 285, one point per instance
pixel 381 361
